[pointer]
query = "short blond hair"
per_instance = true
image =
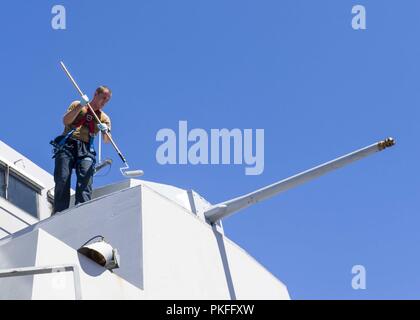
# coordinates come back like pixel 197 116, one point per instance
pixel 102 89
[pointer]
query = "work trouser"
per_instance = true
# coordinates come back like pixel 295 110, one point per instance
pixel 75 154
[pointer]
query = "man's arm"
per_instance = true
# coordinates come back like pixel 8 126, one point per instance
pixel 74 110
pixel 105 137
pixel 107 123
pixel 71 115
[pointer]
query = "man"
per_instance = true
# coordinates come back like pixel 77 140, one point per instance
pixel 75 148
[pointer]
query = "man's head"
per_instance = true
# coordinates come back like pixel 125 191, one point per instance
pixel 102 95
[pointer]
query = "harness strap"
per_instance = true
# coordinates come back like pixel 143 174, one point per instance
pixel 89 121
pixel 63 141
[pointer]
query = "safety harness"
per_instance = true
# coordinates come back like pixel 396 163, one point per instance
pixel 87 120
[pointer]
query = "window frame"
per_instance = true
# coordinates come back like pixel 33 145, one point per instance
pixel 26 181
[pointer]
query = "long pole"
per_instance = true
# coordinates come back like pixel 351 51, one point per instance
pixel 92 111
pixel 99 149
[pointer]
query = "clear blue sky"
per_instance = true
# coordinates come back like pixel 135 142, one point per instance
pixel 296 69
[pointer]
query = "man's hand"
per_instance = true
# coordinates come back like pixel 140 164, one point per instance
pixel 103 127
pixel 85 100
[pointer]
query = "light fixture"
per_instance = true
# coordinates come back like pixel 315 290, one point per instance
pixel 101 252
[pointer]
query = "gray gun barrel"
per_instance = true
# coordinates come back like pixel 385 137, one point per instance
pixel 224 209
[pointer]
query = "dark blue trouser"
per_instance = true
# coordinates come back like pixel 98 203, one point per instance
pixel 76 155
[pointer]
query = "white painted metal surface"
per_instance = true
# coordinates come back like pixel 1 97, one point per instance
pixel 167 247
pixel 31 271
pixel 13 218
pixel 167 252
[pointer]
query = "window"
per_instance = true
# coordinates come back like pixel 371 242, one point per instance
pixel 18 192
pixel 2 183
